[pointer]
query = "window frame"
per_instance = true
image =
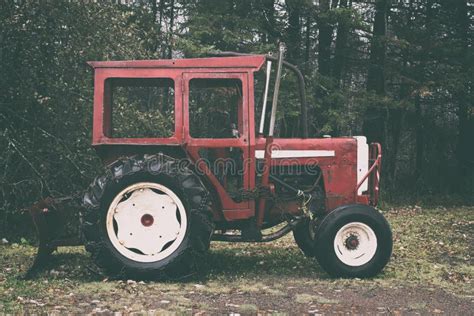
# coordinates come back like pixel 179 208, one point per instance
pixel 243 139
pixel 239 114
pixel 102 108
pixel 109 83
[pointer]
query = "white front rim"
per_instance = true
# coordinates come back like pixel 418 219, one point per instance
pixel 355 244
pixel 146 222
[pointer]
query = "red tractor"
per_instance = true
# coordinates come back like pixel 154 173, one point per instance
pixel 188 161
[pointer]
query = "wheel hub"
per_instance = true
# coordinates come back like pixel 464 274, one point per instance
pixel 147 220
pixel 352 242
pixel 355 244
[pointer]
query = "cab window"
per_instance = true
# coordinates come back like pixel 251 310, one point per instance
pixel 214 107
pixel 141 107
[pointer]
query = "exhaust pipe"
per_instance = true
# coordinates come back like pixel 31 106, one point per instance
pixel 276 90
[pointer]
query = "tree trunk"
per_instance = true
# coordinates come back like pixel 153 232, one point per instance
pixel 268 23
pixel 421 75
pixel 307 43
pixel 154 12
pixel 160 26
pixel 325 39
pixel 395 123
pixel 294 47
pixel 465 147
pixel 293 39
pixel 341 44
pixel 170 37
pixel 396 118
pixel 374 122
pixel 419 138
pixel 376 75
pixel 154 9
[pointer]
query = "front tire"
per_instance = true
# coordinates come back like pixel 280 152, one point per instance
pixel 304 233
pixel 148 218
pixel 353 241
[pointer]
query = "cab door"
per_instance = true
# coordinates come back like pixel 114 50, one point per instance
pixel 216 134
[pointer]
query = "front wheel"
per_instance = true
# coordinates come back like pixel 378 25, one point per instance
pixel 353 241
pixel 304 232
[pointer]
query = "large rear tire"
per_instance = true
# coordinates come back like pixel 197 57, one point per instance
pixel 147 218
pixel 353 241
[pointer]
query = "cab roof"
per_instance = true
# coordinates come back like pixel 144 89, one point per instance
pixel 251 61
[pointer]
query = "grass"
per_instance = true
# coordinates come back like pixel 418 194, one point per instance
pixel 433 250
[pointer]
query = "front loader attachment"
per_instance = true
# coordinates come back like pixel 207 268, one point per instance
pixel 48 216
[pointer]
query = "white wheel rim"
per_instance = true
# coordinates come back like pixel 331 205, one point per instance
pixel 146 222
pixel 355 244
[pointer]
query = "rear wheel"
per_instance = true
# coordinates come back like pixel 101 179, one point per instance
pixel 353 241
pixel 147 219
pixel 146 222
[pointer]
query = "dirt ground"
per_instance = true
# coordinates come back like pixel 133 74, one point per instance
pixel 431 272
